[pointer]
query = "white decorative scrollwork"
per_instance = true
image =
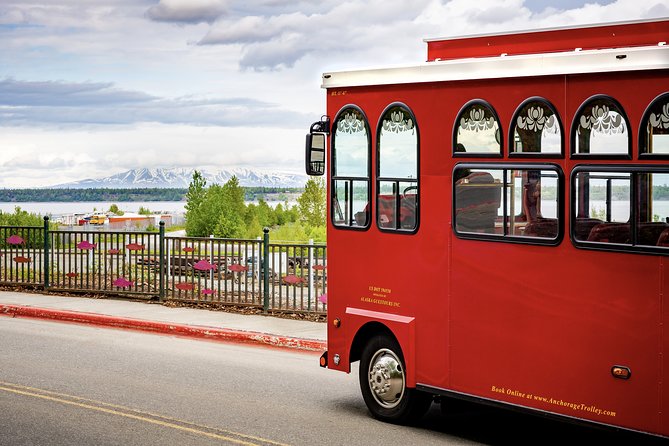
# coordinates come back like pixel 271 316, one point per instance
pixel 351 123
pixel 536 120
pixel 660 120
pixel 398 122
pixel 476 120
pixel 603 120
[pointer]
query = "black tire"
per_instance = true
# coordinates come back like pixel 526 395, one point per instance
pixel 383 383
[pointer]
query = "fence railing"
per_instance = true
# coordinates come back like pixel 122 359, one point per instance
pixel 274 276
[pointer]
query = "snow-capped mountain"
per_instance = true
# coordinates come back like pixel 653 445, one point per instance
pixel 181 178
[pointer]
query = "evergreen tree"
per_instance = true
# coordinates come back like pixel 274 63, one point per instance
pixel 195 197
pixel 234 196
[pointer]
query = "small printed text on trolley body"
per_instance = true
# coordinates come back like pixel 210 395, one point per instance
pixel 380 296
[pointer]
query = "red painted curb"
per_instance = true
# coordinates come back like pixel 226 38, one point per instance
pixel 219 334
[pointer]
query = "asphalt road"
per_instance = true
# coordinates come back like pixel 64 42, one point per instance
pixel 64 384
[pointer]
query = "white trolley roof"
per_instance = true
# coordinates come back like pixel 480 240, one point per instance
pixel 587 61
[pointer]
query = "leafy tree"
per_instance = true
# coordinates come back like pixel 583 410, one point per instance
pixel 230 210
pixel 280 214
pixel 254 228
pixel 251 213
pixel 229 226
pixel 212 208
pixel 144 211
pixel 312 203
pixel 292 214
pixel 266 215
pixel 113 209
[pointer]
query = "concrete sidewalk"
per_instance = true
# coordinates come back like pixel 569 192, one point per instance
pixel 146 316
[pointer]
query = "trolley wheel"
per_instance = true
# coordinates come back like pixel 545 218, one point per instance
pixel 383 383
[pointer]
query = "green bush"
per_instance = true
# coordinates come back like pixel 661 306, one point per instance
pixel 21 218
pixel 32 238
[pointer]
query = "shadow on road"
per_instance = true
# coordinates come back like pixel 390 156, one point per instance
pixel 494 426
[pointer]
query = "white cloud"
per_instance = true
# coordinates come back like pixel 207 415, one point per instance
pixel 57 93
pixel 244 30
pixel 351 30
pixel 61 104
pixel 463 17
pixel 187 11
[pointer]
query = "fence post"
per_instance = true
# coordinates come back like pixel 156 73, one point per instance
pixel 211 260
pixel 46 252
pixel 265 267
pixel 91 256
pixel 310 274
pixel 161 261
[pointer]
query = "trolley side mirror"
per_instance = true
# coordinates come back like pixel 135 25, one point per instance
pixel 315 147
pixel 315 156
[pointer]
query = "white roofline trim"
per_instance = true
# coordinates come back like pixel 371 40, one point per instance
pixel 573 62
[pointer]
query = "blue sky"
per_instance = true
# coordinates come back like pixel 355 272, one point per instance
pixel 89 88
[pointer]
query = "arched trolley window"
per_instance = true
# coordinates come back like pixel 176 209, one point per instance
pixel 654 129
pixel 477 131
pixel 601 129
pixel 351 148
pixel 536 130
pixel 397 199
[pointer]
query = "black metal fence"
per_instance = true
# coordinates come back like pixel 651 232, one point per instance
pixel 274 276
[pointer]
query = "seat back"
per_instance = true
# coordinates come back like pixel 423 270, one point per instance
pixel 477 201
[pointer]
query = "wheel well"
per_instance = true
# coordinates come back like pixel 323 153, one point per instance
pixel 363 335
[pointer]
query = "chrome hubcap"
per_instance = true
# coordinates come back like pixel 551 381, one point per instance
pixel 386 378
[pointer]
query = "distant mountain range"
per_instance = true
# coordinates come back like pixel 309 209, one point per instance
pixel 181 178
